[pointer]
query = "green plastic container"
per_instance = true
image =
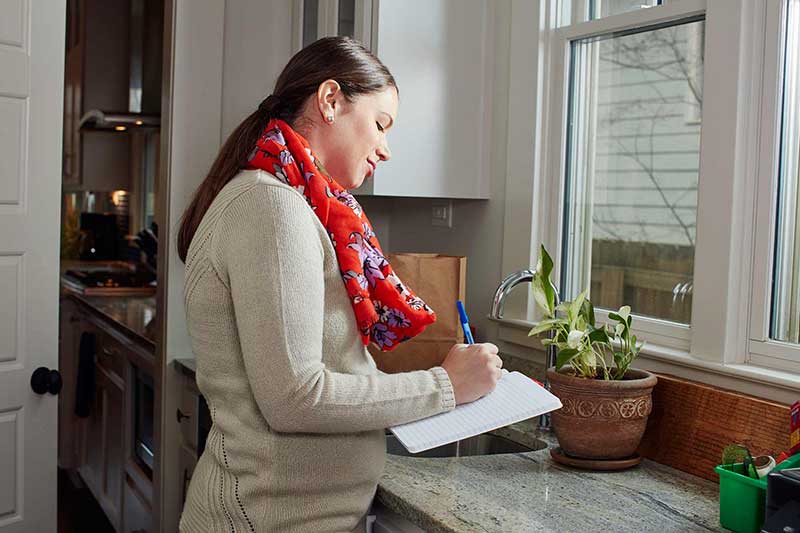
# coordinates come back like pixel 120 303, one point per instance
pixel 742 498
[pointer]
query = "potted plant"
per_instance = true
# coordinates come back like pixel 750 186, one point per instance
pixel 605 402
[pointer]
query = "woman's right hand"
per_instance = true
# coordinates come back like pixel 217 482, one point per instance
pixel 474 370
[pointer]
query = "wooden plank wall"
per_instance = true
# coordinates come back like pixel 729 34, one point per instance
pixel 691 423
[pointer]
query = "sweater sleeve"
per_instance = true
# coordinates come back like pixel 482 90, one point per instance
pixel 272 257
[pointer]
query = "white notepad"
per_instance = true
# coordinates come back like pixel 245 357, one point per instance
pixel 515 398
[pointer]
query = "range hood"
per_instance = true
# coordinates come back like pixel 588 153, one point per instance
pixel 121 121
pixel 144 82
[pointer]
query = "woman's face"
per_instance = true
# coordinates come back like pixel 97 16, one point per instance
pixel 353 144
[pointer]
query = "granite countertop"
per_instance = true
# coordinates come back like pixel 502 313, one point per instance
pixel 530 492
pixel 524 492
pixel 135 315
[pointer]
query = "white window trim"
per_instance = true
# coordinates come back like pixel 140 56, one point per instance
pixel 672 335
pixel 738 37
pixel 763 350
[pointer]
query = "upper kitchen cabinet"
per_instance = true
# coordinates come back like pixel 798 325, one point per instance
pixel 113 59
pixel 439 53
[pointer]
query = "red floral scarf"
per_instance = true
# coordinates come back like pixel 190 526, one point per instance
pixel 387 312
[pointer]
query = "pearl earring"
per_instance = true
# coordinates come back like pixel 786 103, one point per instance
pixel 329 118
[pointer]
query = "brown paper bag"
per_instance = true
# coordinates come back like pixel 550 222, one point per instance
pixel 440 280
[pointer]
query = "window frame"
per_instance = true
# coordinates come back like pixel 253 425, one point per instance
pixel 763 351
pixel 742 71
pixel 661 332
pixel 658 332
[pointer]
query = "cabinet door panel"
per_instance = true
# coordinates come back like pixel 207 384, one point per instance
pixel 438 53
pixel 114 439
pixel 92 446
pixel 137 510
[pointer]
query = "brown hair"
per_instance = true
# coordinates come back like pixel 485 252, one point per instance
pixel 339 58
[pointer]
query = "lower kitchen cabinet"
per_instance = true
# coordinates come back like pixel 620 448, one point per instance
pixel 103 446
pixel 189 418
pixel 138 513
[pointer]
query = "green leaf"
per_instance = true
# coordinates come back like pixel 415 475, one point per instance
pixel 599 335
pixel 545 261
pixel 615 316
pixel 544 325
pixel 540 297
pixel 565 356
pixel 587 310
pixel 575 307
pixel 546 270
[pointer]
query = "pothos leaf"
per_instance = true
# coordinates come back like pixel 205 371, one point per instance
pixel 599 335
pixel 544 325
pixel 587 310
pixel 565 356
pixel 546 270
pixel 575 307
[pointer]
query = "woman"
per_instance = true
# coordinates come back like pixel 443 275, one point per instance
pixel 285 284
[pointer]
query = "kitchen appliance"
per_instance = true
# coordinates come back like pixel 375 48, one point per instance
pixel 783 501
pixel 143 443
pixel 110 282
pixel 144 75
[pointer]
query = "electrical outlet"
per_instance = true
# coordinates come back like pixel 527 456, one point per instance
pixel 442 213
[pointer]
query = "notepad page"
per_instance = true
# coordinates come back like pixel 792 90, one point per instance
pixel 515 398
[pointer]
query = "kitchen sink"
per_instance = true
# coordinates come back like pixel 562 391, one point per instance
pixel 485 444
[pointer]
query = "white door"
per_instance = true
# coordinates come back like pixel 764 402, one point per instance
pixel 31 99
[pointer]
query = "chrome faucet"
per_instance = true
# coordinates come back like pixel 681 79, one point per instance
pixel 510 281
pixel 505 287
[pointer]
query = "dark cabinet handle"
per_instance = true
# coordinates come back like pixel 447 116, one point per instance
pixel 108 352
pixel 45 380
pixel 180 416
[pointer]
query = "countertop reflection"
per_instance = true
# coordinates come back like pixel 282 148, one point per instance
pixel 134 314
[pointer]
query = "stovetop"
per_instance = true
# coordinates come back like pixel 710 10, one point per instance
pixel 110 281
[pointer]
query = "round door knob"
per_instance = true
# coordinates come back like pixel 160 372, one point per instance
pixel 46 380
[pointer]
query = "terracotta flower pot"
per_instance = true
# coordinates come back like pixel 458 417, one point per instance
pixel 601 419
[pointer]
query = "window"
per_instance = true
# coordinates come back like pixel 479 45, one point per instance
pixel 632 167
pixel 785 320
pixel 687 208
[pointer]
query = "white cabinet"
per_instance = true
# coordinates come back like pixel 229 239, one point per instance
pixel 440 55
pixel 95 77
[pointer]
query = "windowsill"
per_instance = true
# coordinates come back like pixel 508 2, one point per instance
pixel 746 378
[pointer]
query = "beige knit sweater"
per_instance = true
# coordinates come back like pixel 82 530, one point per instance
pixel 297 403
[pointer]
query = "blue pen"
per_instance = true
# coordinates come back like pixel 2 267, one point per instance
pixel 464 323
